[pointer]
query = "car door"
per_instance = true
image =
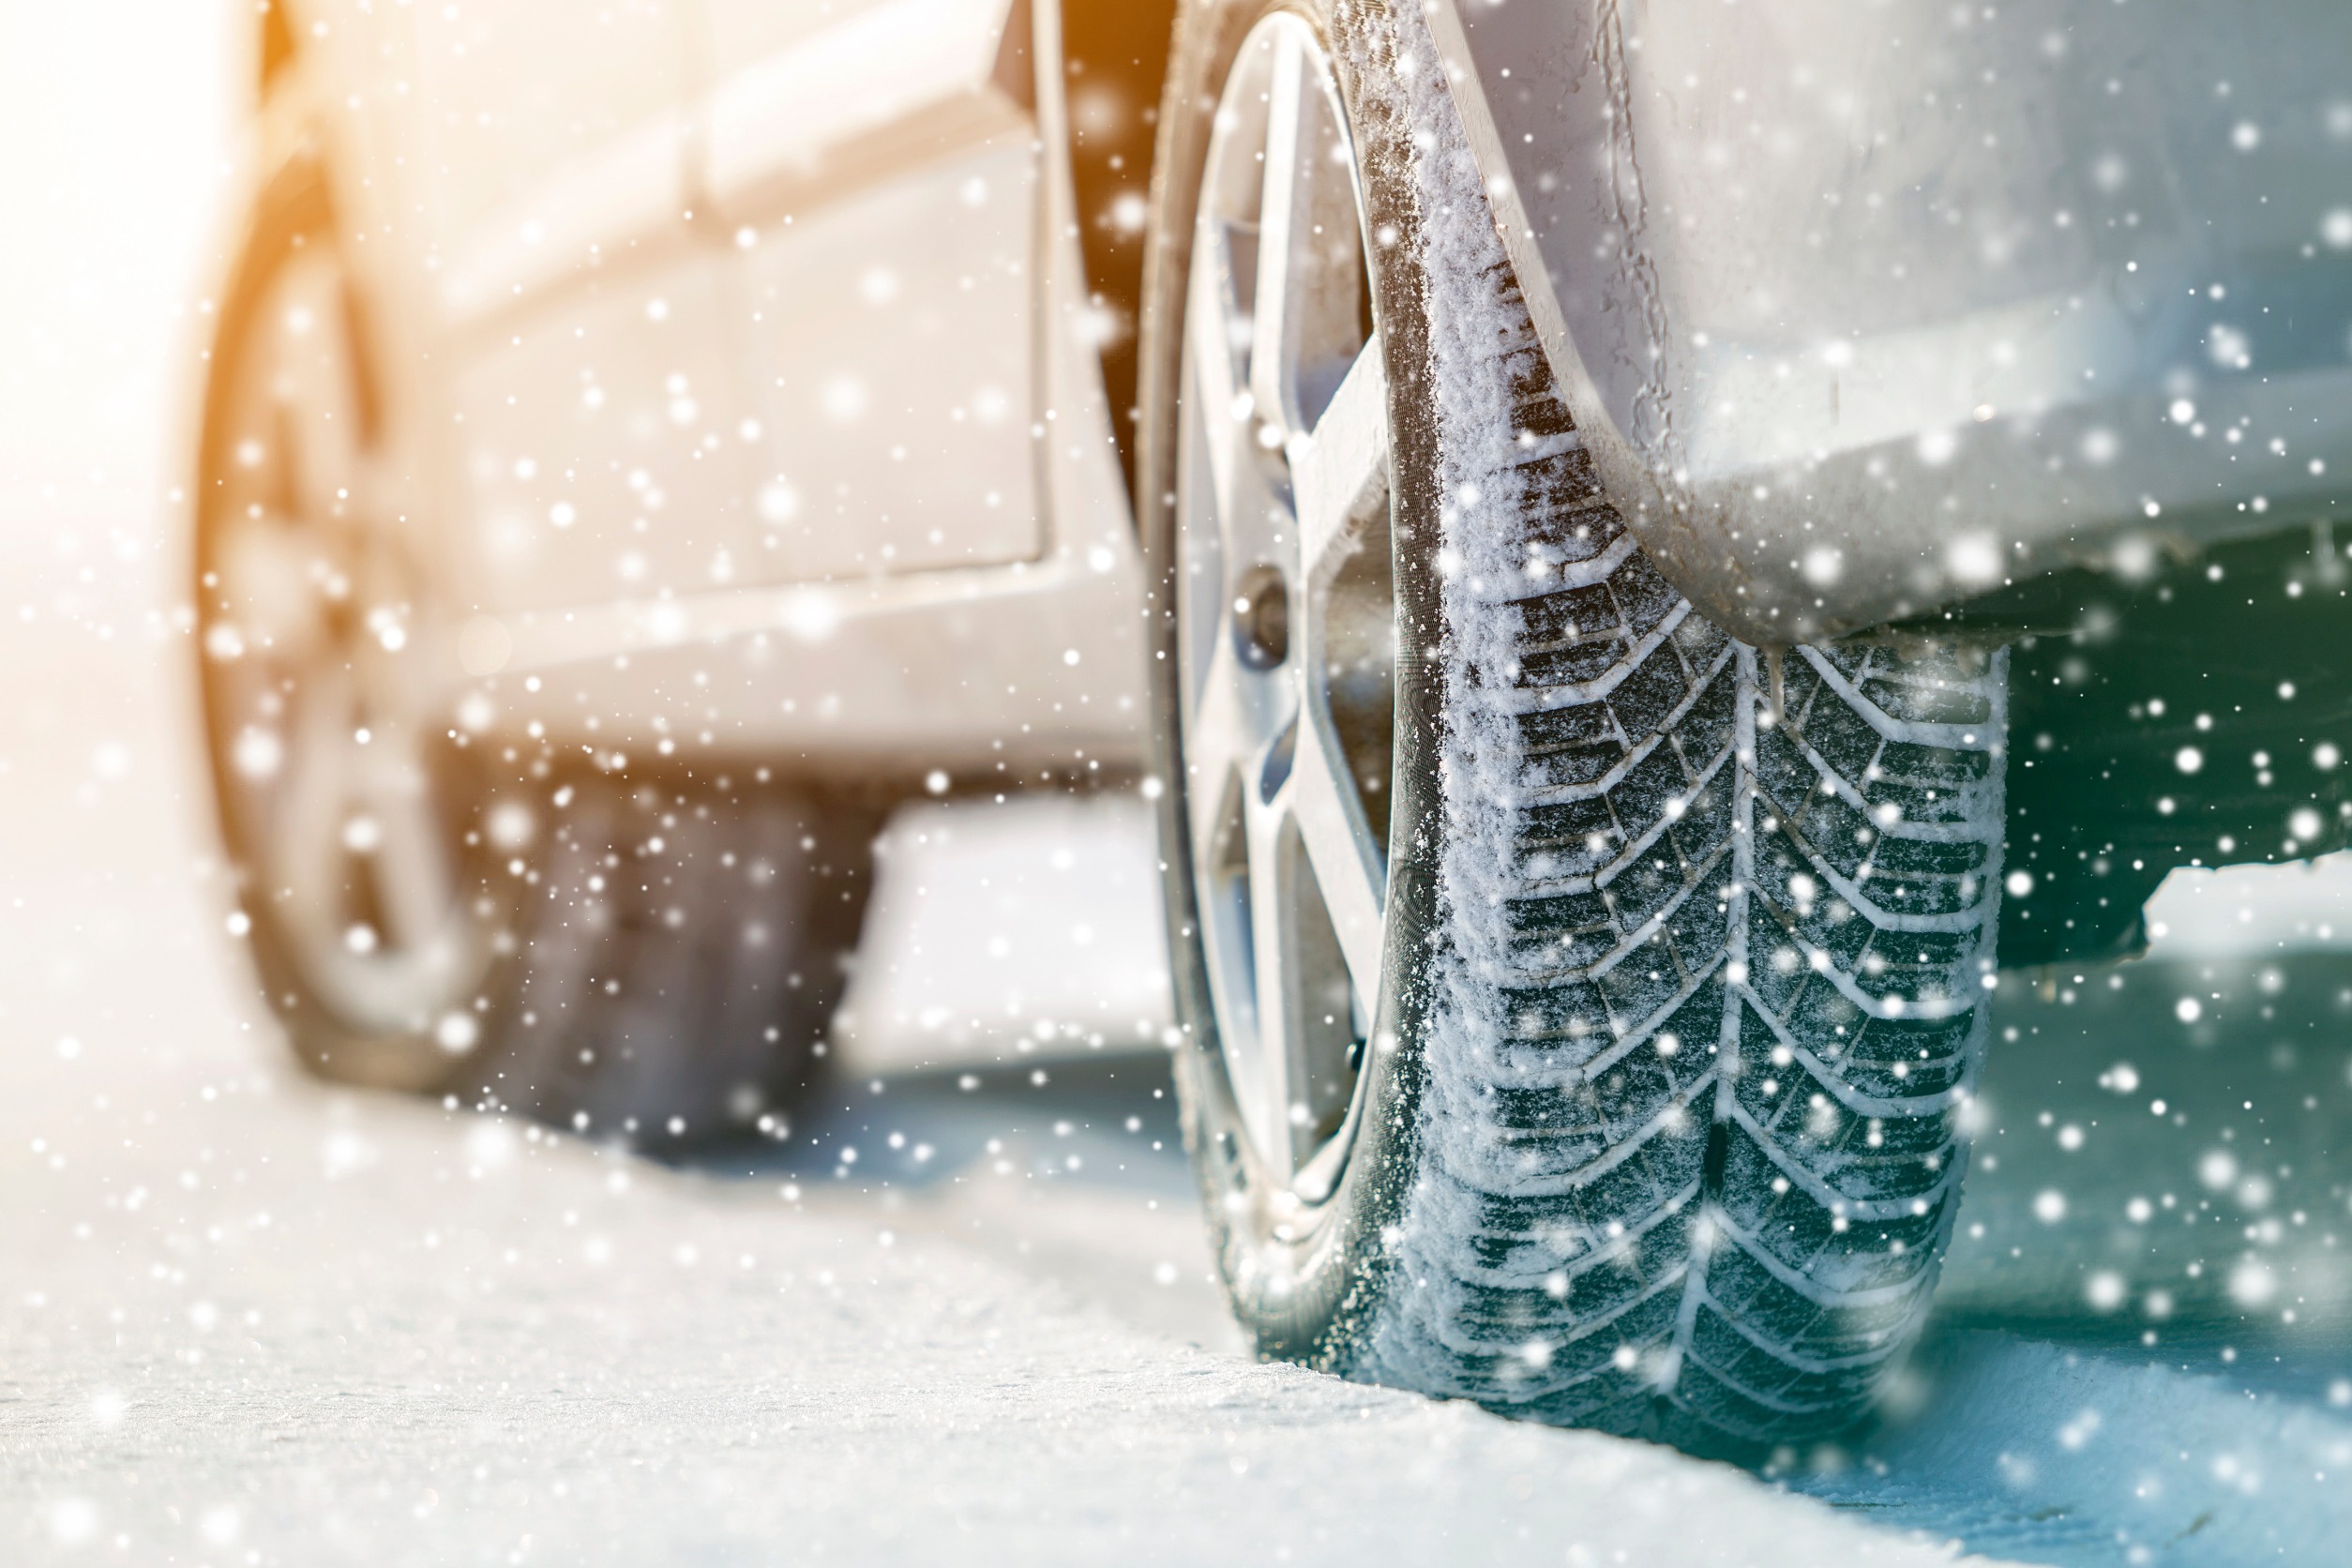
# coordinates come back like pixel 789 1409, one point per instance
pixel 597 411
pixel 875 163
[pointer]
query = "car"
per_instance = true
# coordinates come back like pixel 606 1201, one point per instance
pixel 1644 553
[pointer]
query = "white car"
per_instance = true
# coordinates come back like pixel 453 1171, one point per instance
pixel 646 440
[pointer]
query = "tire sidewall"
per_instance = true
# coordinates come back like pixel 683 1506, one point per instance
pixel 292 210
pixel 1310 1297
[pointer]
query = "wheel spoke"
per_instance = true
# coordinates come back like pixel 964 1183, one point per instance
pixel 407 668
pixel 1273 348
pixel 1348 864
pixel 1274 937
pixel 318 398
pixel 1222 734
pixel 1340 471
pixel 273 581
pixel 308 866
pixel 1225 416
pixel 1236 732
pixel 411 865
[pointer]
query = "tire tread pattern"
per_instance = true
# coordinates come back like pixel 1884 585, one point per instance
pixel 1713 959
pixel 679 960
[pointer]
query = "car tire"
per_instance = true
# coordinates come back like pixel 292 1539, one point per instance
pixel 681 955
pixel 351 821
pixel 653 960
pixel 1642 1109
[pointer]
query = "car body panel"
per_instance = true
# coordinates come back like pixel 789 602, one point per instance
pixel 516 100
pixel 1861 312
pixel 587 369
pixel 811 96
pixel 988 677
pixel 879 167
pixel 986 672
pixel 894 338
pixel 583 335
pixel 601 441
pixel 1864 309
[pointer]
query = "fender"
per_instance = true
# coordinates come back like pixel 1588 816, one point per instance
pixel 1866 313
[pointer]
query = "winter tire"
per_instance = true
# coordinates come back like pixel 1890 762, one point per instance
pixel 1578 1006
pixel 683 950
pixel 655 960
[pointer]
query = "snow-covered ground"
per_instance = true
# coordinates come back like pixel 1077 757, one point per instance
pixel 249 1319
pixel 245 1320
pixel 251 1322
pixel 1035 923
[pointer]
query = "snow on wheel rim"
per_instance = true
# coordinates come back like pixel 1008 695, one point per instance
pixel 1286 605
pixel 320 689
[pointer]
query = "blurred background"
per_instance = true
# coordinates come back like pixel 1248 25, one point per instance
pixel 111 175
pixel 2165 1159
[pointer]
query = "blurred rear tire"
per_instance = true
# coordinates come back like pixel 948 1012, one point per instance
pixel 653 960
pixel 680 957
pixel 349 819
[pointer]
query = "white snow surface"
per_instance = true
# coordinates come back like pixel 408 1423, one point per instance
pixel 244 1316
pixel 1062 893
pixel 2237 911
pixel 2142 1463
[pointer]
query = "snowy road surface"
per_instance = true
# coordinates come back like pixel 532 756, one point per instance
pixel 250 1321
pixel 275 1326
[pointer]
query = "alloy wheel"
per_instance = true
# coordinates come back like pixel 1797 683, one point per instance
pixel 1286 605
pixel 343 801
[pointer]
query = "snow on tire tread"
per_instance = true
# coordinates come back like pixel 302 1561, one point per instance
pixel 1712 971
